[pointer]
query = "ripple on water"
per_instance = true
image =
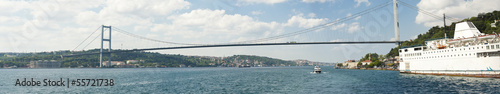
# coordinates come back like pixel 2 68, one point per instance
pixel 250 80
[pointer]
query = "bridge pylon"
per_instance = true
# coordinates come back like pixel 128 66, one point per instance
pixel 102 46
pixel 396 21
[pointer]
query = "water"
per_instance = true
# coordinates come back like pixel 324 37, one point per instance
pixel 247 80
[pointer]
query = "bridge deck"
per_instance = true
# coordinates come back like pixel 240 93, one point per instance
pixel 233 45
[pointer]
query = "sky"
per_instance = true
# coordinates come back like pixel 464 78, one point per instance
pixel 54 25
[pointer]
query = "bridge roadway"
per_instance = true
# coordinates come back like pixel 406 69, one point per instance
pixel 233 45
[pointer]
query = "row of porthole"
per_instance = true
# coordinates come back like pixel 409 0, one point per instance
pixel 443 56
pixel 460 49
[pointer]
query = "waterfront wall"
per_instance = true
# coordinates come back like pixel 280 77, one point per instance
pixel 45 64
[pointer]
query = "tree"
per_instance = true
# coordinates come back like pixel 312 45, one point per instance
pixel 375 63
pixel 339 65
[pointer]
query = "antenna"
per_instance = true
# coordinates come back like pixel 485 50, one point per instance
pixel 444 26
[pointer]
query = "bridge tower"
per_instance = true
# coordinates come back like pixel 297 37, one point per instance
pixel 396 21
pixel 102 46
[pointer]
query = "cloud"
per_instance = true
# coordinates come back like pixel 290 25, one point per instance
pixel 9 7
pixel 215 26
pixel 312 15
pixel 256 12
pixel 453 8
pixel 11 20
pixel 357 18
pixel 145 8
pixel 349 14
pixel 367 3
pixel 45 24
pixel 336 27
pixel 263 1
pixel 300 21
pixel 353 27
pixel 320 1
pixel 350 28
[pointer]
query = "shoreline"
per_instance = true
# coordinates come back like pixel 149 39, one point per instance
pixel 438 74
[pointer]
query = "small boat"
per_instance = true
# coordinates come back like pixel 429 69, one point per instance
pixel 317 69
pixel 244 66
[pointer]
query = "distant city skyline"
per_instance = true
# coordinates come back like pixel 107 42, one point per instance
pixel 37 26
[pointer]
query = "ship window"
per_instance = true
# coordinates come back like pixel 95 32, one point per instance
pixel 487 47
pixel 471 25
pixel 498 46
pixel 416 49
pixel 492 46
pixel 493 54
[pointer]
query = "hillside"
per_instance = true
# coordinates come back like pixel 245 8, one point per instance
pixel 149 59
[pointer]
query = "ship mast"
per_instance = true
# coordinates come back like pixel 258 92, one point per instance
pixel 444 26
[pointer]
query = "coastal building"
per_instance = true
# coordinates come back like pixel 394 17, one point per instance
pixel 134 61
pixel 391 61
pixel 350 64
pixel 105 63
pixel 45 64
pixel 366 62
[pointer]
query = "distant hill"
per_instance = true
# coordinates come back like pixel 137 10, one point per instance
pixel 149 59
pixel 482 21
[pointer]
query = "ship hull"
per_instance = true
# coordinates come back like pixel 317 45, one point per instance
pixel 456 65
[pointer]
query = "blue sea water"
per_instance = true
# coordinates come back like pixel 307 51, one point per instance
pixel 299 80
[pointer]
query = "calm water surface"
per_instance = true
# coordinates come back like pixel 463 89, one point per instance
pixel 246 80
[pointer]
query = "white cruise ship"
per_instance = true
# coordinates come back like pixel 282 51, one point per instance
pixel 469 52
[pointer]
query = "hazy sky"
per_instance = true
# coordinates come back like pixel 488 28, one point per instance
pixel 29 26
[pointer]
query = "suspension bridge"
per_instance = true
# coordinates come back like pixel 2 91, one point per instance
pixel 255 42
